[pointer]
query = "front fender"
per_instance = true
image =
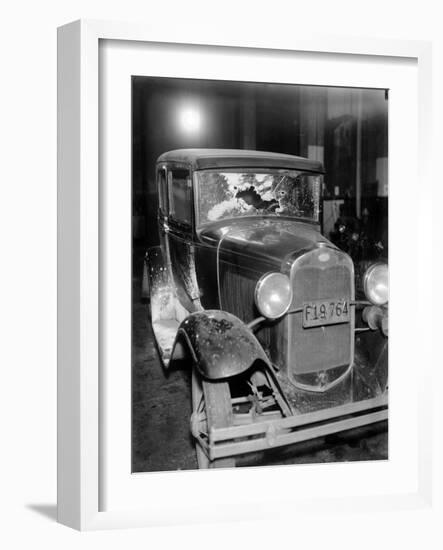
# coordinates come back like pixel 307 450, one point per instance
pixel 221 345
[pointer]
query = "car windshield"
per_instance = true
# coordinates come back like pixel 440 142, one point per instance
pixel 228 194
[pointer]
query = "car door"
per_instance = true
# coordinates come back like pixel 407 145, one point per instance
pixel 179 236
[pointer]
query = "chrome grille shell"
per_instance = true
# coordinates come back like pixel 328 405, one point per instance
pixel 317 357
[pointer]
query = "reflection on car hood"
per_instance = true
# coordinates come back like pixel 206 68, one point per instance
pixel 272 239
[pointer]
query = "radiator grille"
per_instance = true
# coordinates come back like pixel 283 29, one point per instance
pixel 326 347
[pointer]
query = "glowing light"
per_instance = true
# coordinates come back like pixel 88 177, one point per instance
pixel 190 120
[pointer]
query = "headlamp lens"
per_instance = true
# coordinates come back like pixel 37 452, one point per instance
pixel 376 284
pixel 273 295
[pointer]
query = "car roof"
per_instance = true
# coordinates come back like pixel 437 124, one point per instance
pixel 201 159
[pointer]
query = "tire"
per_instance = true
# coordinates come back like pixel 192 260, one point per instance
pixel 218 408
pixel 197 394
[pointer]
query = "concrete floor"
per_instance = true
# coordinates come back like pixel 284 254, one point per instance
pixel 161 408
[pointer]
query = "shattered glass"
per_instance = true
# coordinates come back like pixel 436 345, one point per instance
pixel 229 194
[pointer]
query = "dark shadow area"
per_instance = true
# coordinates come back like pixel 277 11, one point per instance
pixel 48 511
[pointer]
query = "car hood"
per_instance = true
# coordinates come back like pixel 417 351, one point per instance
pixel 271 240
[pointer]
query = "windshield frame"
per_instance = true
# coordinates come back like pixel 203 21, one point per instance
pixel 261 170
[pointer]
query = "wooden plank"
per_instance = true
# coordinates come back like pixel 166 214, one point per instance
pixel 301 420
pixel 280 440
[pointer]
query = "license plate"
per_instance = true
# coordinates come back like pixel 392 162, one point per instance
pixel 325 312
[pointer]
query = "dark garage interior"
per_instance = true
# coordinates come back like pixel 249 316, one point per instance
pixel 344 128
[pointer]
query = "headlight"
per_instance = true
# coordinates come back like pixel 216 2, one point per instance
pixel 273 295
pixel 376 284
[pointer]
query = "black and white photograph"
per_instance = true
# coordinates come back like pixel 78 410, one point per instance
pixel 222 275
pixel 260 274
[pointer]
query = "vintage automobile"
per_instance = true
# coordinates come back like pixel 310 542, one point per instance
pixel 246 291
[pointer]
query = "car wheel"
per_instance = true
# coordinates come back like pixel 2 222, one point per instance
pixel 212 408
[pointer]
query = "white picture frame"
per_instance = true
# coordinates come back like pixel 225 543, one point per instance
pixel 80 368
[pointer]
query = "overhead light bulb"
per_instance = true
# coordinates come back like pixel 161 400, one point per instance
pixel 190 120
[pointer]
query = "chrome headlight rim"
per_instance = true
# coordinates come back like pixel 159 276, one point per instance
pixel 261 284
pixel 366 282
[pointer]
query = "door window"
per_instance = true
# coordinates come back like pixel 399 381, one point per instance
pixel 180 196
pixel 162 191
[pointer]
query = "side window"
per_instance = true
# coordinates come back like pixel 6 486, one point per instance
pixel 180 195
pixel 162 191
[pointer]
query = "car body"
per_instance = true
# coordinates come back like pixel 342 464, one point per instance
pixel 246 290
